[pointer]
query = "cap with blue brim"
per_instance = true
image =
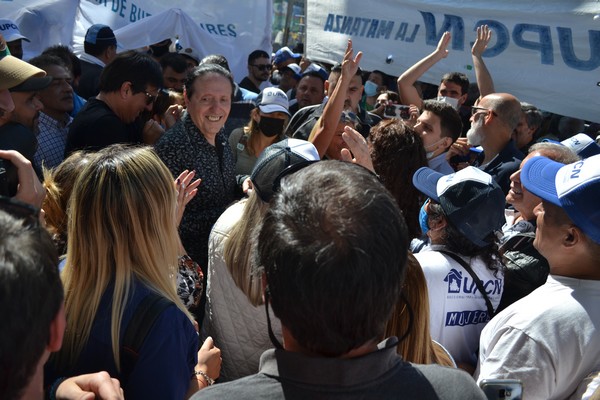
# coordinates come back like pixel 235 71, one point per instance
pixel 574 187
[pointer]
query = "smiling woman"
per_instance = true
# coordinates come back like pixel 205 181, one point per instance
pixel 196 143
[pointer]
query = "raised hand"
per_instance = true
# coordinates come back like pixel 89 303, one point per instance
pixel 350 62
pixel 442 47
pixel 484 34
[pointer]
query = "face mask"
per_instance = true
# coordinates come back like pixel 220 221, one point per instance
pixel 423 220
pixel 370 88
pixel 429 154
pixel 271 126
pixel 452 101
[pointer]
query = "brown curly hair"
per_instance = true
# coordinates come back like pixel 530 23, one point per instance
pixel 397 152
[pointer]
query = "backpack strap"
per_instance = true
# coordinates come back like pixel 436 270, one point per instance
pixel 475 278
pixel 144 317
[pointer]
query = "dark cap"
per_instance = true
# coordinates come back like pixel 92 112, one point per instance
pixel 275 159
pixel 100 34
pixel 470 198
pixel 33 84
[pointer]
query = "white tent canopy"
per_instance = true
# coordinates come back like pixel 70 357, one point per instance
pixel 228 27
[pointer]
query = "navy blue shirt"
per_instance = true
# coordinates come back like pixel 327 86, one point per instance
pixel 503 165
pixel 166 359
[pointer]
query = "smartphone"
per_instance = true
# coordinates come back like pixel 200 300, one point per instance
pixel 502 389
pixel 396 111
pixel 9 179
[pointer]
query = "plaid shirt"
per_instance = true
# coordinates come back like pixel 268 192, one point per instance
pixel 51 141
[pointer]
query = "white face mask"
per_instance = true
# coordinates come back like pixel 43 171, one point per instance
pixel 450 100
pixel 429 154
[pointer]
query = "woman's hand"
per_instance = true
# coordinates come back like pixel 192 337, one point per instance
pixel 172 115
pixel 358 147
pixel 209 359
pixel 186 191
pixel 90 386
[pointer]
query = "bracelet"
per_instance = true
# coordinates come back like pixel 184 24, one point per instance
pixel 209 380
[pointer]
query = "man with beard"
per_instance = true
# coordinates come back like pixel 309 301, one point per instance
pixel 259 71
pixel 54 120
pixel 493 121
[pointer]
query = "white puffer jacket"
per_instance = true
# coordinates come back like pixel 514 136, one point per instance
pixel 237 327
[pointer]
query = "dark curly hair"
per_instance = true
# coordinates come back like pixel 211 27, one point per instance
pixel 457 243
pixel 397 152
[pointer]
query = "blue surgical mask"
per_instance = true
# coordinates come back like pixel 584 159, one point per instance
pixel 423 219
pixel 370 88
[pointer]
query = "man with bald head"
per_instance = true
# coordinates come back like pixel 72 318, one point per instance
pixel 493 121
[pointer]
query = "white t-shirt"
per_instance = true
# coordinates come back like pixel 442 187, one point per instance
pixel 457 309
pixel 550 339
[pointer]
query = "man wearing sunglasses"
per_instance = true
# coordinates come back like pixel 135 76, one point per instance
pixel 493 121
pixel 259 71
pixel 129 86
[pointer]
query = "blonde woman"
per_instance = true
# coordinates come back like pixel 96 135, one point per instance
pixel 410 321
pixel 235 314
pixel 123 246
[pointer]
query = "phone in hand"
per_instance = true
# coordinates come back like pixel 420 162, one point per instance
pixel 396 111
pixel 9 179
pixel 502 389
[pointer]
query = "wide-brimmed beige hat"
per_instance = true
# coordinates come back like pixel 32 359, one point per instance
pixel 14 72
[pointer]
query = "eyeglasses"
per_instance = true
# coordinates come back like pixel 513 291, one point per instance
pixel 477 110
pixel 262 67
pixel 349 117
pixel 150 98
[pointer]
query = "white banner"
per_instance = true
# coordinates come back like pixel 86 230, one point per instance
pixel 545 52
pixel 228 27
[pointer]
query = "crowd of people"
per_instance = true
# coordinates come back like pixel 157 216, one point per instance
pixel 313 231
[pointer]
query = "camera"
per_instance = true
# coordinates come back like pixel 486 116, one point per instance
pixel 9 179
pixel 396 111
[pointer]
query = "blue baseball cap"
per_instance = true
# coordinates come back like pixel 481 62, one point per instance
pixel 284 54
pixel 573 187
pixel 583 145
pixel 470 198
pixel 100 34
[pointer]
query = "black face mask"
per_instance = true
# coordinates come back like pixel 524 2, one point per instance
pixel 271 126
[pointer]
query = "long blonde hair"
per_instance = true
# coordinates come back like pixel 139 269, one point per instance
pixel 417 347
pixel 237 249
pixel 121 227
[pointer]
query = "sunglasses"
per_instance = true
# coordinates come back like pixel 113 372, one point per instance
pixel 29 214
pixel 263 67
pixel 150 98
pixel 477 110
